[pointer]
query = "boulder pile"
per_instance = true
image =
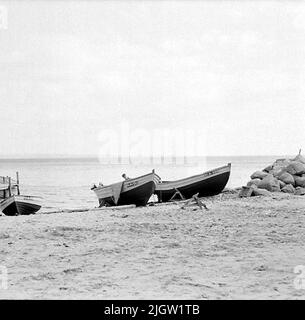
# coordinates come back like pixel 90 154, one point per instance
pixel 284 175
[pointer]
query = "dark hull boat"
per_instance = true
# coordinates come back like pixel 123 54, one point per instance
pixel 19 205
pixel 132 191
pixel 206 184
pixel 14 204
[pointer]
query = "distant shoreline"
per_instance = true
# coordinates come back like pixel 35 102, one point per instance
pixel 96 158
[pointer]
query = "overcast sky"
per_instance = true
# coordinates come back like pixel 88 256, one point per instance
pixel 232 71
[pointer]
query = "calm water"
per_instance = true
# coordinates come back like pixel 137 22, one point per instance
pixel 65 183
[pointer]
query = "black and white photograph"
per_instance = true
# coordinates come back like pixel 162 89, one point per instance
pixel 152 150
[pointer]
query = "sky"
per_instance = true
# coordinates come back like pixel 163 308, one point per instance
pixel 79 77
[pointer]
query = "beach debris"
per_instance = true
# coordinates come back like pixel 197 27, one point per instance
pixel 284 175
pixel 194 201
pixel 78 210
pixel 177 193
pixel 261 268
pixel 230 191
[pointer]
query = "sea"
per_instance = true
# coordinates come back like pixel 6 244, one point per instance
pixel 64 183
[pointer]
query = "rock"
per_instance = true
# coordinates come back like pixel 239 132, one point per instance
pixel 282 184
pixel 295 168
pixel 277 171
pixel 268 169
pixel 282 163
pixel 299 191
pixel 287 178
pixel 269 183
pixel 253 182
pixel 259 175
pixel 299 181
pixel 288 188
pixel 299 158
pixel 261 192
pixel 246 192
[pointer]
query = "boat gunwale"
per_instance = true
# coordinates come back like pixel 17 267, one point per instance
pixel 166 185
pixel 200 174
pixel 129 180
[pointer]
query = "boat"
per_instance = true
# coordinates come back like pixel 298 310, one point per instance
pixel 206 184
pixel 20 205
pixel 12 203
pixel 131 191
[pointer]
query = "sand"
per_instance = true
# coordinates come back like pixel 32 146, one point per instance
pixel 241 248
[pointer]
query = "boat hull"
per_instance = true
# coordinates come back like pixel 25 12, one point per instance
pixel 19 205
pixel 138 196
pixel 208 184
pixel 133 191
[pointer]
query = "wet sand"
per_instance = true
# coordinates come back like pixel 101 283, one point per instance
pixel 241 248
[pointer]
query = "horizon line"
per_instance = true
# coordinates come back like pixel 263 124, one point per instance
pixel 61 157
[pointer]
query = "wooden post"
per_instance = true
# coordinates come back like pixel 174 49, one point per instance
pixel 196 200
pixel 9 187
pixel 17 177
pixel 177 193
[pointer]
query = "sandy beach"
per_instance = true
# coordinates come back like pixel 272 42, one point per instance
pixel 241 248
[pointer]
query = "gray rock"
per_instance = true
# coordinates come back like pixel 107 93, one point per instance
pixel 281 163
pixel 299 191
pixel 270 183
pixel 287 178
pixel 259 175
pixel 246 192
pixel 282 184
pixel 299 181
pixel 261 192
pixel 289 188
pixel 299 158
pixel 268 168
pixel 295 168
pixel 253 182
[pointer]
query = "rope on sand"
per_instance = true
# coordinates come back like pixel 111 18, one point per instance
pixel 93 209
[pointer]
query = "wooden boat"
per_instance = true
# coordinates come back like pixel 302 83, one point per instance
pixel 206 184
pixel 20 205
pixel 132 191
pixel 12 203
